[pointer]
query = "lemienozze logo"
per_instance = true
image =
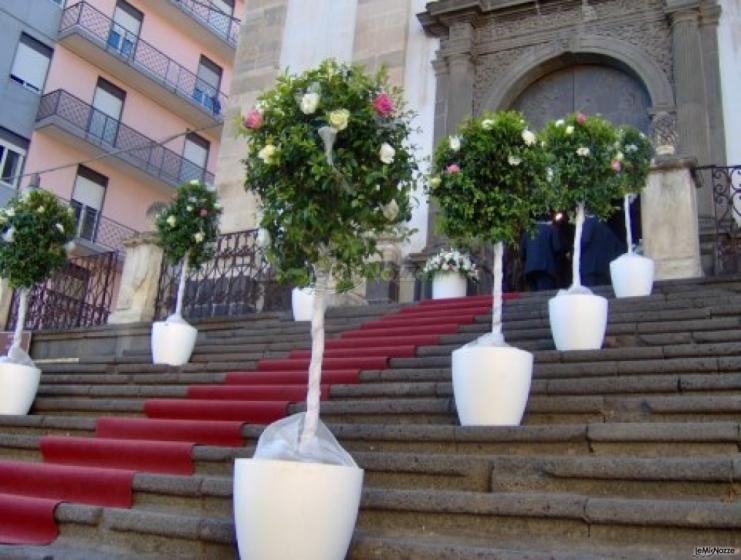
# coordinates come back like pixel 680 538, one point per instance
pixel 706 551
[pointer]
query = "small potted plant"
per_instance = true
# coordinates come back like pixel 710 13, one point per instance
pixel 187 229
pixel 329 162
pixel 488 182
pixel 632 274
pixel 584 174
pixel 37 230
pixel 449 270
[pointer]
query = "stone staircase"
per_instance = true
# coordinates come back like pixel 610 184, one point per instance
pixel 628 452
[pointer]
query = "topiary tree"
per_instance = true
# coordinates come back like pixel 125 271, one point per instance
pixel 328 161
pixel 633 162
pixel 187 229
pixel 583 171
pixel 488 182
pixel 36 232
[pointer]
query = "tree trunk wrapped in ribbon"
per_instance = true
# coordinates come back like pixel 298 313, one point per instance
pixel 37 233
pixel 584 173
pixel 328 159
pixel 489 181
pixel 187 230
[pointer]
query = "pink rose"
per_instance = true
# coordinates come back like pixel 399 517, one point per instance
pixel 617 167
pixel 203 213
pixel 581 118
pixel 453 168
pixel 383 105
pixel 253 119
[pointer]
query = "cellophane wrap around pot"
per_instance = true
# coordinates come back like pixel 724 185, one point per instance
pixel 281 441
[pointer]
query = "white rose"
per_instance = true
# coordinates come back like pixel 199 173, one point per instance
pixel 487 124
pixel 41 210
pixel 267 154
pixel 528 137
pixel 514 161
pixel 619 156
pixel 560 122
pixel 217 206
pixel 569 130
pixel 549 174
pixel 338 119
pixel 260 107
pixel 199 236
pixel 435 182
pixel 387 153
pixel 171 221
pixel 189 208
pixel 194 182
pixel 391 210
pixel 583 151
pixel 309 103
pixel 60 227
pixel 455 143
pixel 10 212
pixel 630 148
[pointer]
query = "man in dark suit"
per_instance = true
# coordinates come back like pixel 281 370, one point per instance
pixel 539 255
pixel 599 246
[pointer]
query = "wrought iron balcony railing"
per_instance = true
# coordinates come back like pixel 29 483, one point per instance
pixel 221 24
pixel 96 228
pixel 125 143
pixel 95 26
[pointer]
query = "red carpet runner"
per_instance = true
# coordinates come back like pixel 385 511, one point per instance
pixel 100 470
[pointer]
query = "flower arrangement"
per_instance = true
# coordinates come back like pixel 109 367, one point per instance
pixel 633 164
pixel 187 229
pixel 450 260
pixel 584 165
pixel 37 231
pixel 488 182
pixel 328 160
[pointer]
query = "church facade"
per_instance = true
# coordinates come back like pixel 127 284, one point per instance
pixel 629 60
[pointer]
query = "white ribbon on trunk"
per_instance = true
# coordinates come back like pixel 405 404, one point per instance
pixel 16 354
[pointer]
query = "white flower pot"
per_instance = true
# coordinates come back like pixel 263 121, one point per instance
pixel 578 321
pixel 491 384
pixel 632 275
pixel 448 285
pixel 285 510
pixel 172 343
pixel 18 387
pixel 302 301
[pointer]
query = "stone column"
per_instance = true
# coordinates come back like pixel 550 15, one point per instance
pixel 137 294
pixel 671 234
pixel 461 74
pixel 689 78
pixel 710 16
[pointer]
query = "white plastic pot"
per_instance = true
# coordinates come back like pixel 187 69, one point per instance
pixel 172 343
pixel 448 285
pixel 302 300
pixel 285 510
pixel 578 321
pixel 632 275
pixel 18 387
pixel 491 384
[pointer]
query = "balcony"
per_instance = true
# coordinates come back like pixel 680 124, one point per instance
pixel 222 30
pixel 97 38
pixel 97 233
pixel 73 121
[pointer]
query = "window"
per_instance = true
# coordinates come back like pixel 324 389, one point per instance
pixel 87 201
pixel 127 22
pixel 31 63
pixel 206 91
pixel 105 117
pixel 195 158
pixel 11 163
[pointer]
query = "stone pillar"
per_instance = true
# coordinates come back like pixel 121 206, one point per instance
pixel 137 294
pixel 6 300
pixel 460 74
pixel 710 16
pixel 671 234
pixel 689 78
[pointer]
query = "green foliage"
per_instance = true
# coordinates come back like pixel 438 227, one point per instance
pixel 491 187
pixel 635 157
pixel 581 152
pixel 322 213
pixel 35 229
pixel 190 224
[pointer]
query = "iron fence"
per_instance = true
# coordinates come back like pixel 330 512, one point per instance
pixel 78 295
pixel 237 280
pixel 223 25
pixel 138 150
pixel 725 182
pixel 146 58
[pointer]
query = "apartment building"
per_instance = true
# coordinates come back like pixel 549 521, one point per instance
pixel 130 106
